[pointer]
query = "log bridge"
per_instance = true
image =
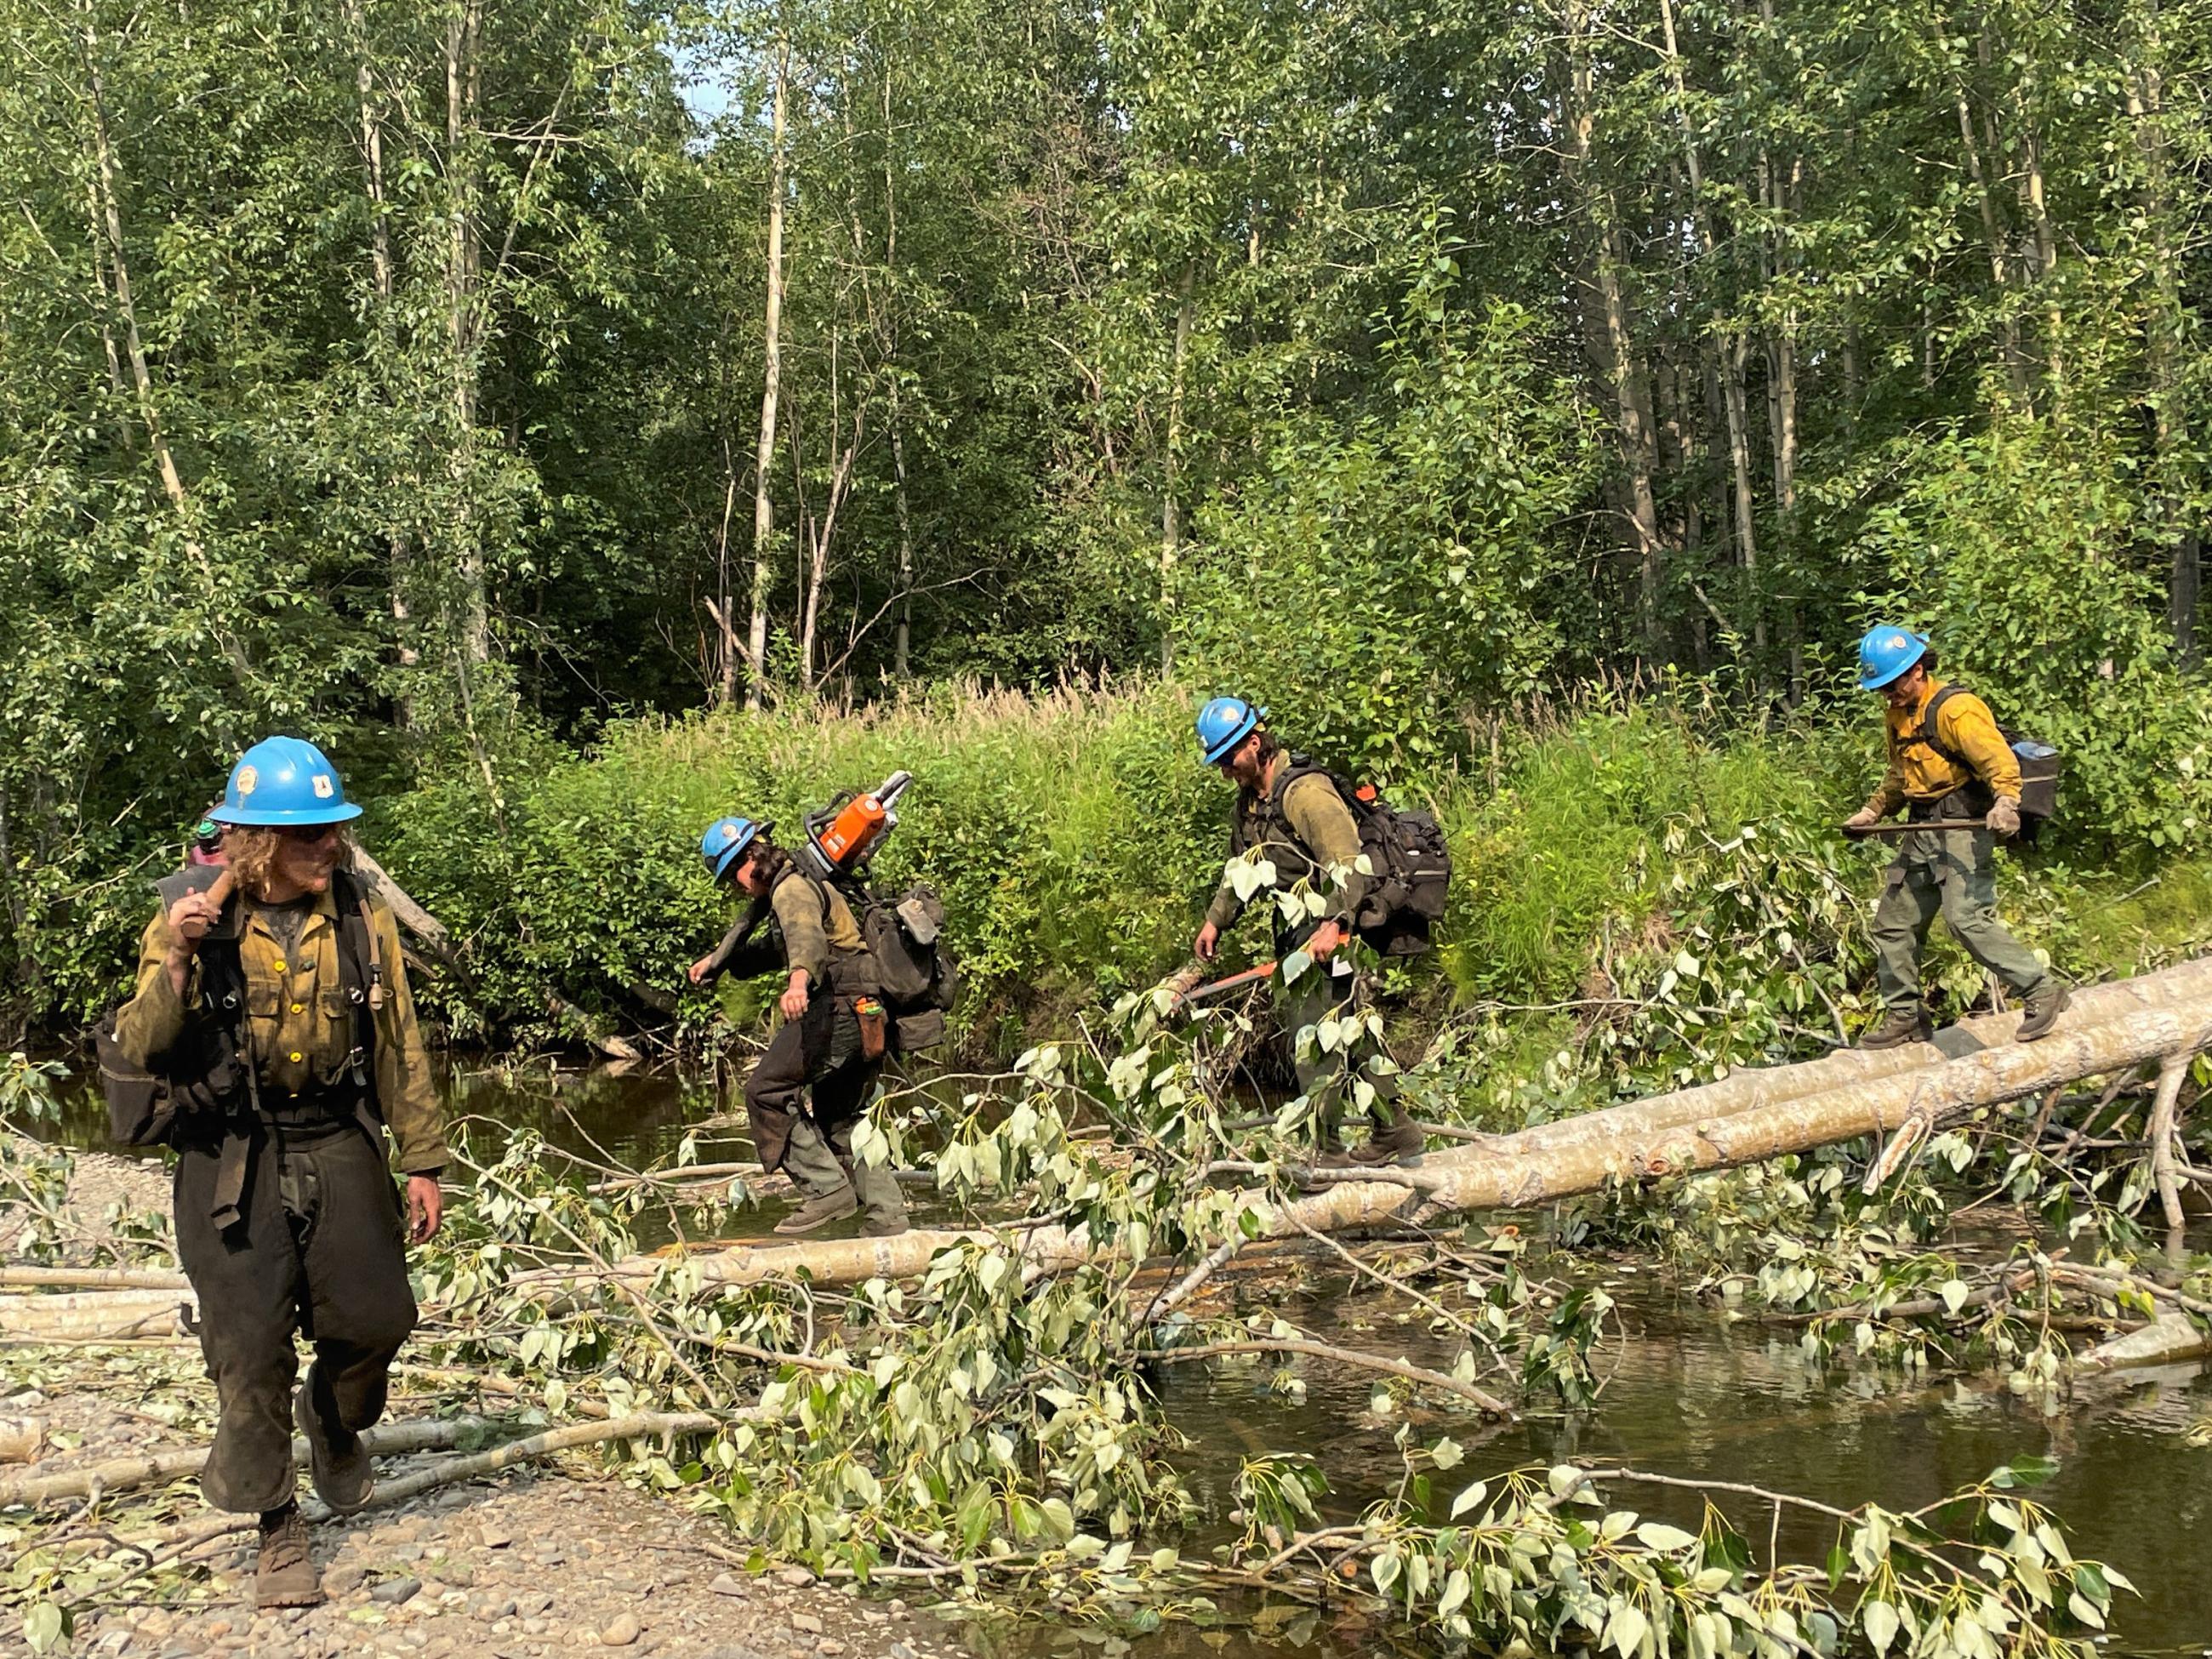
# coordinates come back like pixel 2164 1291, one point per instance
pixel 1902 1094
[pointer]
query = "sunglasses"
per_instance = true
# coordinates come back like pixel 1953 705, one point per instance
pixel 306 834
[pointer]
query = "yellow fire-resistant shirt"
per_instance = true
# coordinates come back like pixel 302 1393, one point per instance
pixel 1920 772
pixel 300 1024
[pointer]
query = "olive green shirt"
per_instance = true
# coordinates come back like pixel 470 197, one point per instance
pixel 810 929
pixel 1323 834
pixel 299 1024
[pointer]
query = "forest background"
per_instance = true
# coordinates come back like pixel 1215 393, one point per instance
pixel 585 419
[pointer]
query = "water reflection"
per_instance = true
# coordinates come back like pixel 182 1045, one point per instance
pixel 1690 1393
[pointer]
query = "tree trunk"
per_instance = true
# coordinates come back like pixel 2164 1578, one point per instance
pixel 383 282
pixel 771 385
pixel 1170 507
pixel 1632 404
pixel 464 255
pixel 902 644
pixel 111 212
pixel 1731 350
pixel 1993 237
pixel 2164 335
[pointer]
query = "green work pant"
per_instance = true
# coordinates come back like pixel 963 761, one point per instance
pixel 819 1157
pixel 1326 1078
pixel 1952 871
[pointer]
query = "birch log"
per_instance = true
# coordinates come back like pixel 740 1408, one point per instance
pixel 1749 1088
pixel 78 1315
pixel 1640 1140
pixel 35 1485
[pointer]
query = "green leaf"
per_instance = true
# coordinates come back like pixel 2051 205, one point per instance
pixel 44 1625
pixel 1879 1621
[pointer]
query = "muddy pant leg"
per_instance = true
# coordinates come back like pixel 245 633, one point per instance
pixel 1909 901
pixel 1314 996
pixel 360 1307
pixel 841 1101
pixel 1968 874
pixel 809 1160
pixel 775 1093
pixel 248 1279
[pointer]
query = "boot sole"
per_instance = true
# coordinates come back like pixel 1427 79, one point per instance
pixel 296 1600
pixel 788 1230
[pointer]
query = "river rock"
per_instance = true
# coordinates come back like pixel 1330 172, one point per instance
pixel 794 1577
pixel 807 1622
pixel 622 1633
pixel 394 1592
pixel 340 1582
pixel 728 1584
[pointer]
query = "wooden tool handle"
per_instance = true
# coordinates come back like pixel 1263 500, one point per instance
pixel 1940 826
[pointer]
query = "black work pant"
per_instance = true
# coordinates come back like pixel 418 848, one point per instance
pixel 820 1051
pixel 319 1250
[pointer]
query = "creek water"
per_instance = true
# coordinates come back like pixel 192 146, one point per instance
pixel 1690 1393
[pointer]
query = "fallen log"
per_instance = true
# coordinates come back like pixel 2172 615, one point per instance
pixel 97 1278
pixel 122 1474
pixel 75 1314
pixel 2168 1340
pixel 168 1543
pixel 1750 1089
pixel 1638 1141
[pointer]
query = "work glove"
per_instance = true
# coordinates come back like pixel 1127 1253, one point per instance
pixel 1865 818
pixel 2004 817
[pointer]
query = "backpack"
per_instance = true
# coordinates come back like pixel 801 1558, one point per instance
pixel 1411 862
pixel 2040 766
pixel 917 972
pixel 202 1081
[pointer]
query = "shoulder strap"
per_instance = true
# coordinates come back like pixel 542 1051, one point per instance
pixel 1928 716
pixel 360 959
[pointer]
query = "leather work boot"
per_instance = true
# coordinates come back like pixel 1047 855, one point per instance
pixel 1899 1027
pixel 821 1212
pixel 2041 1012
pixel 1399 1141
pixel 343 1474
pixel 1331 1154
pixel 286 1575
pixel 883 1229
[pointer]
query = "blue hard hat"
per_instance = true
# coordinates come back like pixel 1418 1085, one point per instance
pixel 283 781
pixel 1887 651
pixel 1224 723
pixel 726 841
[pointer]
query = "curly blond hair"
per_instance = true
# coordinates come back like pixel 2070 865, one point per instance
pixel 250 850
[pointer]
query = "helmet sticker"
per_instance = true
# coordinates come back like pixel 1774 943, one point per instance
pixel 248 777
pixel 729 832
pixel 323 790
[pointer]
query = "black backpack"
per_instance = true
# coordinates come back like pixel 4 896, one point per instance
pixel 2040 767
pixel 1411 859
pixel 919 975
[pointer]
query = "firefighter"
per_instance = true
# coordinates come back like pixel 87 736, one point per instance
pixel 1957 766
pixel 281 1024
pixel 1292 812
pixel 831 1042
